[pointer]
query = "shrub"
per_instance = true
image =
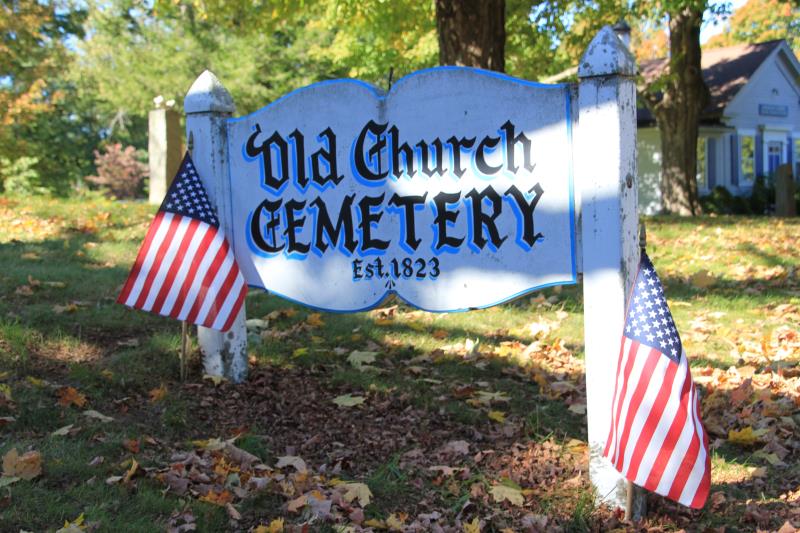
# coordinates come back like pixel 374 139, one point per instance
pixel 119 171
pixel 721 202
pixel 19 176
pixel 762 198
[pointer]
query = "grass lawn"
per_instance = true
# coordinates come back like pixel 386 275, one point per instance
pixel 393 419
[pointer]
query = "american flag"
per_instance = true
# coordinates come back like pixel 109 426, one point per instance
pixel 185 268
pixel 656 439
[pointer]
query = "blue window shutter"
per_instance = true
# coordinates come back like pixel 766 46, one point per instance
pixel 735 160
pixel 789 150
pixel 759 154
pixel 711 166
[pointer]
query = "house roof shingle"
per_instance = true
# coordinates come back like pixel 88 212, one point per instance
pixel 725 71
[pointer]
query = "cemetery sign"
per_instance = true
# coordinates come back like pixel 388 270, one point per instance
pixel 454 190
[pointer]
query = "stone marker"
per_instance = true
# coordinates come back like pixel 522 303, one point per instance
pixel 163 147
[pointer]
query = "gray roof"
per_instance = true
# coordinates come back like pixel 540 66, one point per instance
pixel 725 71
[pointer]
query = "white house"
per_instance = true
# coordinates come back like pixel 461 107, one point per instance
pixel 750 127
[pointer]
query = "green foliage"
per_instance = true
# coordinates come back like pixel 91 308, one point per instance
pixel 119 171
pixel 20 177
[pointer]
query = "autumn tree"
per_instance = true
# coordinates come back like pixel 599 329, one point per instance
pixel 677 96
pixel 759 21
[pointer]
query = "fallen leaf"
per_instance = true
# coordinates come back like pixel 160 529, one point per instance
pixel 472 527
pixel 292 460
pixel 132 445
pixel 357 358
pixel 745 436
pixel 5 481
pixel 62 432
pixel 216 380
pixel 69 395
pixel 497 416
pixel 158 394
pixel 218 498
pixel 315 320
pixel 348 400
pixel 702 279
pixel 440 334
pixel 232 512
pixel 60 309
pixel 357 491
pixel 276 526
pixel 26 466
pixel 91 413
pixel 578 408
pixel 132 471
pixel 505 492
pixel 394 523
pixel 75 526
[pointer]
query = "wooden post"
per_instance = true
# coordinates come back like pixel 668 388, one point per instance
pixel 605 174
pixel 207 105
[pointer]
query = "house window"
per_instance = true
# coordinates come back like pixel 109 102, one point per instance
pixel 702 184
pixel 747 159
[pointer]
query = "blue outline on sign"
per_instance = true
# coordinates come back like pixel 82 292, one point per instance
pixel 381 95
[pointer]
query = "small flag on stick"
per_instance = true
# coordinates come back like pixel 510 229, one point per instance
pixel 185 268
pixel 656 439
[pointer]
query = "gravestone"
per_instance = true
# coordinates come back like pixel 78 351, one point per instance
pixel 785 205
pixel 163 148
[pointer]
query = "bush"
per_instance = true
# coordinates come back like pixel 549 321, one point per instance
pixel 20 177
pixel 119 171
pixel 721 202
pixel 762 198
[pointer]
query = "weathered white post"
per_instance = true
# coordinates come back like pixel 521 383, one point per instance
pixel 207 105
pixel 605 166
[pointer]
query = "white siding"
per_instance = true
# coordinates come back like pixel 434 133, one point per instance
pixel 648 145
pixel 772 84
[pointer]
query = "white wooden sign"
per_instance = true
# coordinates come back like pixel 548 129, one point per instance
pixel 320 191
pixel 454 191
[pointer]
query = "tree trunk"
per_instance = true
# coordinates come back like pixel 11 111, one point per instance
pixel 676 98
pixel 472 33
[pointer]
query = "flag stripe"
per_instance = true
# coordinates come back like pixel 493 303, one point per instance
pixel 237 303
pixel 223 292
pixel 226 304
pixel 203 234
pixel 664 424
pixel 650 362
pixel 191 286
pixel 159 256
pixel 652 422
pixel 208 278
pixel 140 257
pixel 181 225
pixel 159 229
pixel 612 429
pixel 655 385
pixel 630 350
pixel 175 265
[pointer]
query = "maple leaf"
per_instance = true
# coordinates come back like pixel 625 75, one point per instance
pixel 158 394
pixel 358 358
pixel 75 526
pixel 746 436
pixel 472 527
pixel 358 491
pixel 506 491
pixel 69 395
pixel 218 498
pixel 315 320
pixel 348 400
pixel 26 466
pixel 276 526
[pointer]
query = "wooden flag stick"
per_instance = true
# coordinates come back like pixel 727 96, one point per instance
pixel 184 343
pixel 184 324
